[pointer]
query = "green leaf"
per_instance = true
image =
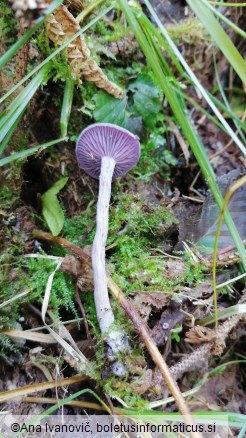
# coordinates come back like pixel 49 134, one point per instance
pixel 109 109
pixel 145 105
pixel 66 105
pixel 51 208
pixel 147 99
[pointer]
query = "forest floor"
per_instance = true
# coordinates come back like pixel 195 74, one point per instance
pixel 162 203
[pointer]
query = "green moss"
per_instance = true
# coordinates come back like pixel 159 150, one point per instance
pixel 8 196
pixel 7 347
pixel 110 31
pixel 139 218
pixel 11 187
pixel 125 392
pixel 136 227
pixel 33 275
pixel 81 229
pixel 90 310
pixel 194 271
pixel 7 24
pixel 189 31
pixel 63 289
pixel 59 68
pixel 155 157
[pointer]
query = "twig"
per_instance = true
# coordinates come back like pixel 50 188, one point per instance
pixel 29 389
pixel 181 141
pixel 225 256
pixel 76 250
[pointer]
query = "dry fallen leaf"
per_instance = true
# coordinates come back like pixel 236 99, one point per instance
pixel 199 334
pixel 144 302
pixel 61 26
pixel 82 273
pixel 155 299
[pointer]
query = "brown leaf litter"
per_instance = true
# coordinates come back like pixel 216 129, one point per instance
pixel 61 26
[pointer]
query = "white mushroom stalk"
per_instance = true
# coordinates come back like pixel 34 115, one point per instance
pixel 106 151
pixel 105 316
pixel 104 312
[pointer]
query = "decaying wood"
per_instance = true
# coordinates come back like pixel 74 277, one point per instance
pixel 82 273
pixel 199 335
pixel 61 26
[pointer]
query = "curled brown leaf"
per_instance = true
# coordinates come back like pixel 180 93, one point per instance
pixel 61 26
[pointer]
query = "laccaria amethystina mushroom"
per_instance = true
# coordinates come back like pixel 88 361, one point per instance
pixel 105 152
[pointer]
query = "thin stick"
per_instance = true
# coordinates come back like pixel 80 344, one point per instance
pixel 29 389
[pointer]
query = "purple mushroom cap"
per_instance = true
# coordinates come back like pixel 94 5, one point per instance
pixel 107 140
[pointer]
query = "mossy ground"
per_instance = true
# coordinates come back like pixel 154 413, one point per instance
pixel 137 227
pixel 140 229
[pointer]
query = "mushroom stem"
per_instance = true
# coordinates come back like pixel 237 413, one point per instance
pixel 115 338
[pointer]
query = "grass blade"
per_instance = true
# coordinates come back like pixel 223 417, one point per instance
pixel 8 136
pixel 238 309
pixel 219 36
pixel 17 107
pixel 222 92
pixel 192 78
pixel 228 195
pixel 181 115
pixel 223 18
pixel 66 106
pixel 27 152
